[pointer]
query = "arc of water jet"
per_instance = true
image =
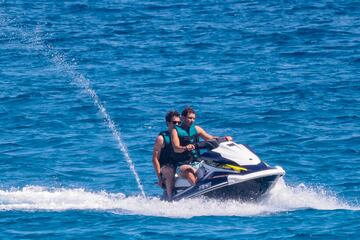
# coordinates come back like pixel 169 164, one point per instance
pixel 114 131
pixel 37 43
pixel 85 83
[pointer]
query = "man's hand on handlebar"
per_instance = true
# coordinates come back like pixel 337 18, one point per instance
pixel 189 147
pixel 228 138
pixel 212 143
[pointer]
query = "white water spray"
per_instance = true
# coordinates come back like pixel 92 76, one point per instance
pixel 84 83
pixel 35 42
pixel 283 198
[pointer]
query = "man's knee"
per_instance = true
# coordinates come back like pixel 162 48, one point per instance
pixel 167 172
pixel 189 170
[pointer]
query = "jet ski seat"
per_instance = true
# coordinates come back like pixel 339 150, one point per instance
pixel 181 182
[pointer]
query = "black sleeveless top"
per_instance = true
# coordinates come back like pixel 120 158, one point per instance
pixel 167 153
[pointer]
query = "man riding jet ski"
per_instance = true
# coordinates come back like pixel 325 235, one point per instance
pixel 228 171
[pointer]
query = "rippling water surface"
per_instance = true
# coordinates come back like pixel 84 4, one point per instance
pixel 85 86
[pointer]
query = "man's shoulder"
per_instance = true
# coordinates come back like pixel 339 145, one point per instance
pixel 164 133
pixel 198 128
pixel 159 139
pixel 165 136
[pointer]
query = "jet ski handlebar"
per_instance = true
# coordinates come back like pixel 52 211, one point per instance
pixel 210 144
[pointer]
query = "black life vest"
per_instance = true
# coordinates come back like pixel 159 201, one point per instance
pixel 167 153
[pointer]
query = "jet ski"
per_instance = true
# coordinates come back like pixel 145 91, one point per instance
pixel 228 170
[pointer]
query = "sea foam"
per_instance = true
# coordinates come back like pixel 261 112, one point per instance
pixel 282 198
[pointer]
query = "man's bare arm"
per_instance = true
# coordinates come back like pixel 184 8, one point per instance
pixel 203 134
pixel 176 143
pixel 159 143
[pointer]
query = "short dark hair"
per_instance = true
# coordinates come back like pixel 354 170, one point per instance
pixel 187 111
pixel 171 114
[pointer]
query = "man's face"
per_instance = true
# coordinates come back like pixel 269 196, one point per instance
pixel 189 119
pixel 174 121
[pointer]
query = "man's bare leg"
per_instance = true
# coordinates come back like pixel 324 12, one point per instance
pixel 189 173
pixel 168 175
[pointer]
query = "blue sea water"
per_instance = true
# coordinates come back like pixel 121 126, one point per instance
pixel 85 86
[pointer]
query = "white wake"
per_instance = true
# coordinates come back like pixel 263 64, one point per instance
pixel 282 198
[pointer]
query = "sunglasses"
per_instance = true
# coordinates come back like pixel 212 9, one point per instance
pixel 176 122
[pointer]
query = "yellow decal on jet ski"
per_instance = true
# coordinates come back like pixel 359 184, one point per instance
pixel 236 168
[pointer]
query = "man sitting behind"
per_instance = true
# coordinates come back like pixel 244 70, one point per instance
pixel 184 138
pixel 163 155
